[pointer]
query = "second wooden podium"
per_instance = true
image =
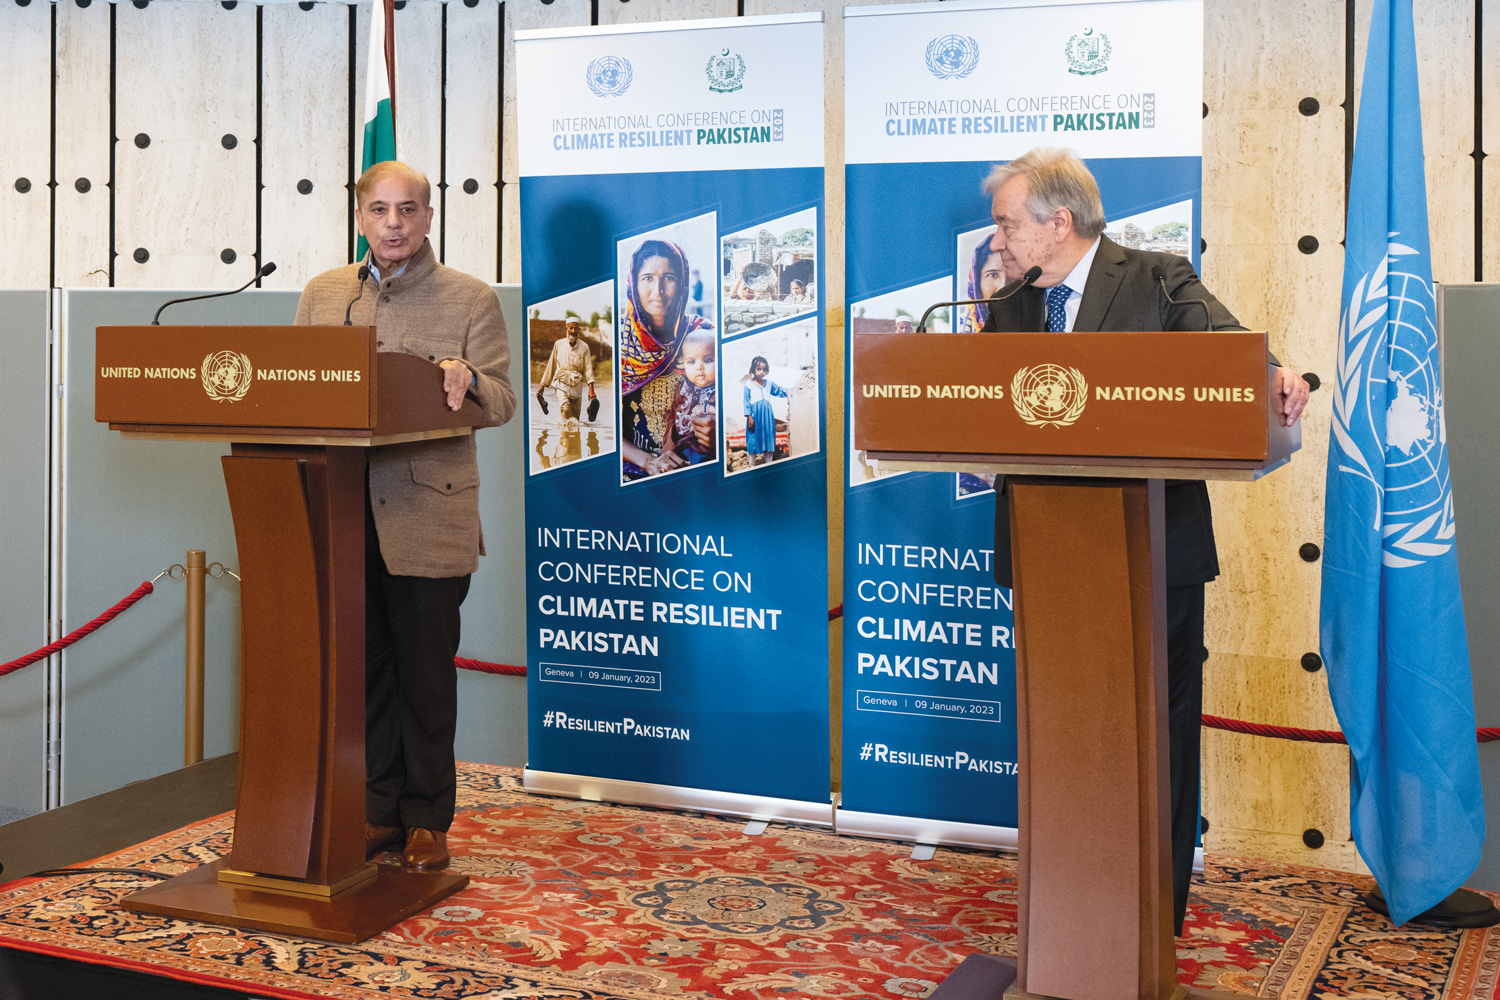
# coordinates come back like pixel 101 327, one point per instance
pixel 299 406
pixel 1086 426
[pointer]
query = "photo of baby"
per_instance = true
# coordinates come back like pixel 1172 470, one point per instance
pixel 696 405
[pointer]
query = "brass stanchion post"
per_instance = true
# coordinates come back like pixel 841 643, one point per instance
pixel 192 736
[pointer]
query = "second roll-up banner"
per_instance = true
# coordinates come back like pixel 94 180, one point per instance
pixel 935 95
pixel 676 508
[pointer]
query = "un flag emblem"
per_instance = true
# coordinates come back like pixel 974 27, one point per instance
pixel 609 76
pixel 952 57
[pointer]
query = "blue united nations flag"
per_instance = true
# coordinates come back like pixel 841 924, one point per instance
pixel 1392 615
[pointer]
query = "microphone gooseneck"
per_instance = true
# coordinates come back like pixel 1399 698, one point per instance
pixel 260 272
pixel 1031 275
pixel 363 274
pixel 1160 277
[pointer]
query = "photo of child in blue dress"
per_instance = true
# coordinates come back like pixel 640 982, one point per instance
pixel 760 419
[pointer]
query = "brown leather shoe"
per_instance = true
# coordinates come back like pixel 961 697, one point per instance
pixel 379 839
pixel 426 850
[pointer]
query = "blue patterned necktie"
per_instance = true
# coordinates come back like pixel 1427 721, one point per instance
pixel 1057 316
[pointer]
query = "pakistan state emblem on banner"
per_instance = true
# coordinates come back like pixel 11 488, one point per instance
pixel 726 73
pixel 226 376
pixel 952 57
pixel 609 76
pixel 1088 53
pixel 1049 395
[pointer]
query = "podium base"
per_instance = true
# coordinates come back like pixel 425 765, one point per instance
pixel 1179 992
pixel 349 917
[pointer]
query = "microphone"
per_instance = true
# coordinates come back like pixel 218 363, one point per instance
pixel 260 272
pixel 1160 277
pixel 363 274
pixel 1033 273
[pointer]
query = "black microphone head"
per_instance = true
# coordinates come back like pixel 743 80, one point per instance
pixel 1032 273
pixel 1157 274
pixel 268 267
pixel 363 273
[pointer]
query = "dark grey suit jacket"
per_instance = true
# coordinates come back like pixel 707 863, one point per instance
pixel 1121 295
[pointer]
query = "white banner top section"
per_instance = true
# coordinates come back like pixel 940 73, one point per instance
pixel 739 93
pixel 986 81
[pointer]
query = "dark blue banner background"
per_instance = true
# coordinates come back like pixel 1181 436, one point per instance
pixel 942 758
pixel 753 702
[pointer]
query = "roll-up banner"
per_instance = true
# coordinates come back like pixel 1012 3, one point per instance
pixel 676 507
pixel 936 94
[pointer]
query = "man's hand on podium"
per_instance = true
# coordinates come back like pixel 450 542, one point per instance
pixel 1291 395
pixel 457 378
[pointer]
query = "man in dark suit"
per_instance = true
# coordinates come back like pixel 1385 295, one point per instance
pixel 1048 212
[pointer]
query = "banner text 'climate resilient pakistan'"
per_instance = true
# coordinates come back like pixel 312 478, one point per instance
pixel 672 247
pixel 934 99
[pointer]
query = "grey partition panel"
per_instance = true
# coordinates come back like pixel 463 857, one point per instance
pixel 23 556
pixel 491 708
pixel 130 508
pixel 1470 318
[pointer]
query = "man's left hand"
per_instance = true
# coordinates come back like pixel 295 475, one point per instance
pixel 456 381
pixel 1292 392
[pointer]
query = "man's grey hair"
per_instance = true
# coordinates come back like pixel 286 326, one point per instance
pixel 1055 178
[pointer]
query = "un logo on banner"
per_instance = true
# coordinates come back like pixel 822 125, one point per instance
pixel 226 376
pixel 952 57
pixel 609 76
pixel 1389 317
pixel 1088 53
pixel 1049 395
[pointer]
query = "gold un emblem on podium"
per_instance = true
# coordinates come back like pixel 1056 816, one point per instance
pixel 1049 395
pixel 226 376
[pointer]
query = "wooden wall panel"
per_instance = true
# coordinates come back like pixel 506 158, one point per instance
pixel 641 11
pixel 184 198
pixel 26 153
pixel 304 137
pixel 1489 47
pixel 1272 176
pixel 471 234
pixel 82 217
pixel 419 94
pixel 523 15
pixel 1446 41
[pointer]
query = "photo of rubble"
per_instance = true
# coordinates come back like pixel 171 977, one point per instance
pixel 769 273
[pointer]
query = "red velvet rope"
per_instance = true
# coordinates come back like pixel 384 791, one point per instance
pixel 515 670
pixel 505 669
pixel 79 632
pixel 1307 735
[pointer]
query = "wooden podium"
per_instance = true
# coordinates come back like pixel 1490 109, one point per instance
pixel 1086 426
pixel 299 407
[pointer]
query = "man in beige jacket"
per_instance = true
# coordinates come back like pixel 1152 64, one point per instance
pixel 422 534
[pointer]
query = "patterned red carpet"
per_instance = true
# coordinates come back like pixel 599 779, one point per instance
pixel 581 900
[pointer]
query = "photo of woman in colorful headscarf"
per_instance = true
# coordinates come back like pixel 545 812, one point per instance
pixel 986 277
pixel 654 327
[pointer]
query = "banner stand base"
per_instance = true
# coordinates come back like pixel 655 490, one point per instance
pixel 938 832
pixel 640 793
